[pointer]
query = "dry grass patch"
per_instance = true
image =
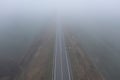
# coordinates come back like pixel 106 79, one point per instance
pixel 82 67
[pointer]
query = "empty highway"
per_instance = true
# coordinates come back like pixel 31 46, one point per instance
pixel 61 68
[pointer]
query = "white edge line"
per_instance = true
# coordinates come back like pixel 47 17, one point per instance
pixel 54 74
pixel 61 54
pixel 67 61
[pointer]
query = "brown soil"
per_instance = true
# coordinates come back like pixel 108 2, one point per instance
pixel 38 64
pixel 82 67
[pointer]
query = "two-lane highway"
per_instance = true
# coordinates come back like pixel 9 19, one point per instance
pixel 61 70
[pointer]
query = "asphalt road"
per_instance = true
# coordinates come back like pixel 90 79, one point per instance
pixel 62 68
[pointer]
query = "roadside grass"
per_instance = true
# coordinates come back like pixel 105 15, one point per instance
pixel 82 67
pixel 41 63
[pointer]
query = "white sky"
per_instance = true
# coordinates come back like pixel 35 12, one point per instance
pixel 68 7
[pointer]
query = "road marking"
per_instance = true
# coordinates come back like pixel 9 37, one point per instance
pixel 54 74
pixel 68 64
pixel 61 55
pixel 61 64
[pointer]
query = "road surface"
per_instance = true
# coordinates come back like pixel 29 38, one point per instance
pixel 61 61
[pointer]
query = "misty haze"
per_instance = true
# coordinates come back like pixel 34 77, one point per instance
pixel 59 40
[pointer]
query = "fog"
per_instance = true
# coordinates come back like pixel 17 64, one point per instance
pixel 96 23
pixel 20 23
